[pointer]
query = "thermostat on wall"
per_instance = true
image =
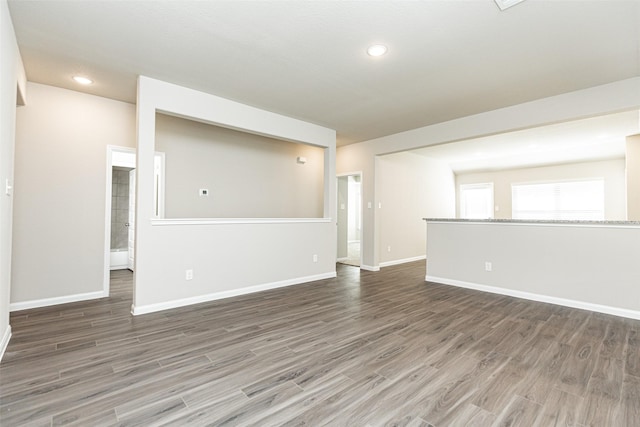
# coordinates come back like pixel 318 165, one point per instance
pixel 204 191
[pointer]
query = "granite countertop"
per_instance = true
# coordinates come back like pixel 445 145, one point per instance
pixel 536 221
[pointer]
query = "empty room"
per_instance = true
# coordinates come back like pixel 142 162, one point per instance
pixel 323 213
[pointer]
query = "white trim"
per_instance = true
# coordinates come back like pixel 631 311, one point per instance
pixel 45 302
pixel 119 267
pixel 151 308
pixel 349 174
pixel 402 261
pixel 616 311
pixel 216 221
pixel 526 223
pixel 342 259
pixel 5 341
pixel 369 267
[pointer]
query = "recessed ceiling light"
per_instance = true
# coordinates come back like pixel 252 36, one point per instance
pixel 377 50
pixel 82 80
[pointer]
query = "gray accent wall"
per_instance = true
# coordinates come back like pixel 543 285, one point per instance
pixel 246 175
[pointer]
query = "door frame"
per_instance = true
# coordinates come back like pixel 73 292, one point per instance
pixel 131 220
pixel 342 175
pixel 112 151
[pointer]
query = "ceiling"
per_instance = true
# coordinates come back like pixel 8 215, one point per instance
pixel 306 59
pixel 584 140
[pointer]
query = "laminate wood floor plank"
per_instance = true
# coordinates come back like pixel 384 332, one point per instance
pixel 603 393
pixel 632 363
pixel 423 352
pixel 397 400
pixel 561 409
pixel 205 415
pixel 95 419
pixel 520 412
pixel 309 398
pixel 578 367
pixel 498 390
pixel 542 380
pixel 456 386
pixel 472 416
pixel 614 342
pixel 361 349
pixel 264 404
pixel 628 413
pixel 323 403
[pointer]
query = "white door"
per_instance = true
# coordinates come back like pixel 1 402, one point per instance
pixel 132 218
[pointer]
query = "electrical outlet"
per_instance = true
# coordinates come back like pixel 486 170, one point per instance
pixel 315 258
pixel 388 248
pixel 188 274
pixel 488 266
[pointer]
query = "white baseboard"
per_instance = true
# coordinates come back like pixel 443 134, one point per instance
pixel 56 300
pixel 342 259
pixel 5 341
pixel 119 267
pixel 369 267
pixel 151 308
pixel 616 311
pixel 402 261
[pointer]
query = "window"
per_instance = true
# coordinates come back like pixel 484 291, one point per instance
pixel 476 201
pixel 579 200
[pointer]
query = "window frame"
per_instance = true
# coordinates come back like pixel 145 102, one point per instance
pixel 476 186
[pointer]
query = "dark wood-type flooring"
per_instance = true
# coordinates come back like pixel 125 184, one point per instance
pixel 364 349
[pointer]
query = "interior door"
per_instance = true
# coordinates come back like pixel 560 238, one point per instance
pixel 132 218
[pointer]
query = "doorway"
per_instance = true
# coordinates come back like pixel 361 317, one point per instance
pixel 123 198
pixel 350 219
pixel 119 253
pixel 120 208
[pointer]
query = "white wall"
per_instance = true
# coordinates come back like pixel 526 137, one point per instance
pixel 613 172
pixel 589 267
pixel 12 87
pixel 633 177
pixel 614 97
pixel 411 187
pixel 227 257
pixel 60 180
pixel 247 175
